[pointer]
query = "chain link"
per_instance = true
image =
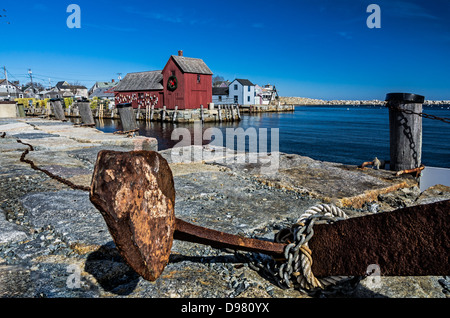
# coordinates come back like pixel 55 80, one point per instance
pixel 295 271
pixel 395 106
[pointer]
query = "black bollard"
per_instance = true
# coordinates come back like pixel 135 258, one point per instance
pixel 405 127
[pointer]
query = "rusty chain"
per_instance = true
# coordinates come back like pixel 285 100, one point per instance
pixel 394 106
pixel 48 173
pixel 295 271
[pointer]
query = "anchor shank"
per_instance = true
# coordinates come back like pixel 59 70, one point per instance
pixel 197 234
pixel 413 241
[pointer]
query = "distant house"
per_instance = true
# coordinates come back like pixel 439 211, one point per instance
pixel 50 93
pixel 9 90
pixel 69 90
pixel 239 91
pixel 225 83
pixel 105 93
pixel 30 92
pixel 220 95
pixel 101 85
pixel 265 95
pixel 242 91
pixel 184 82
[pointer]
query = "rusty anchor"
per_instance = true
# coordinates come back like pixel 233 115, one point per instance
pixel 134 191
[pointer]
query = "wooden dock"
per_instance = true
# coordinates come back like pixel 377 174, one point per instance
pixel 218 113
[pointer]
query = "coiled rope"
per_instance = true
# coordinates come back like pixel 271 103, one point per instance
pixel 295 271
pixel 298 254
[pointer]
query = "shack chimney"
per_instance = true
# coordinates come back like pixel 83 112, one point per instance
pixel 180 53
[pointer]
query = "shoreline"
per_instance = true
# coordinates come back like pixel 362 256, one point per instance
pixel 319 102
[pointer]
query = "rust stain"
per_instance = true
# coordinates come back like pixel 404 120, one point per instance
pixel 368 196
pixel 82 249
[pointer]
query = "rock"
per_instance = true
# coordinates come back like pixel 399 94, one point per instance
pixel 401 198
pixel 10 232
pixel 70 213
pixel 15 281
pixel 435 193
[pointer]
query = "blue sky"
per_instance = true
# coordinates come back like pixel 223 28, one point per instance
pixel 316 48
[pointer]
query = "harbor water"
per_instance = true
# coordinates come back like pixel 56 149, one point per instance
pixel 344 134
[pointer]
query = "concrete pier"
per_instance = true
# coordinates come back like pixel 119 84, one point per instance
pixel 50 232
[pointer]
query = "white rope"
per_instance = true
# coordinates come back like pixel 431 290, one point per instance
pixel 299 265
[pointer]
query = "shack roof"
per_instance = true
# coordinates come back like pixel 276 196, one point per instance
pixel 220 90
pixel 64 85
pixel 244 82
pixel 141 81
pixel 192 65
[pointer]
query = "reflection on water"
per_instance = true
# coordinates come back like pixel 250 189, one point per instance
pixel 349 135
pixel 162 131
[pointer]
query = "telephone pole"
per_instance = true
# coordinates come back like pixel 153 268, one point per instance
pixel 31 78
pixel 7 83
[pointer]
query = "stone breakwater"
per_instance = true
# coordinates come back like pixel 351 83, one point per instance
pixel 312 101
pixel 54 243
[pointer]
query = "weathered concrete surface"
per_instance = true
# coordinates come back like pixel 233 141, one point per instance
pixel 53 232
pixel 8 109
pixel 10 232
pixel 342 185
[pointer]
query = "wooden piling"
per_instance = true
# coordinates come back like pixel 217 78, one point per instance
pixel 163 114
pixel 174 119
pixel 127 117
pixel 57 109
pixel 405 130
pixel 152 111
pixel 84 108
pixel 101 108
pixel 20 110
pixel 138 113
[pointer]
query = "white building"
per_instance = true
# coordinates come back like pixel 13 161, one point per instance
pixel 242 91
pixel 69 90
pixel 9 90
pixel 265 95
pixel 220 96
